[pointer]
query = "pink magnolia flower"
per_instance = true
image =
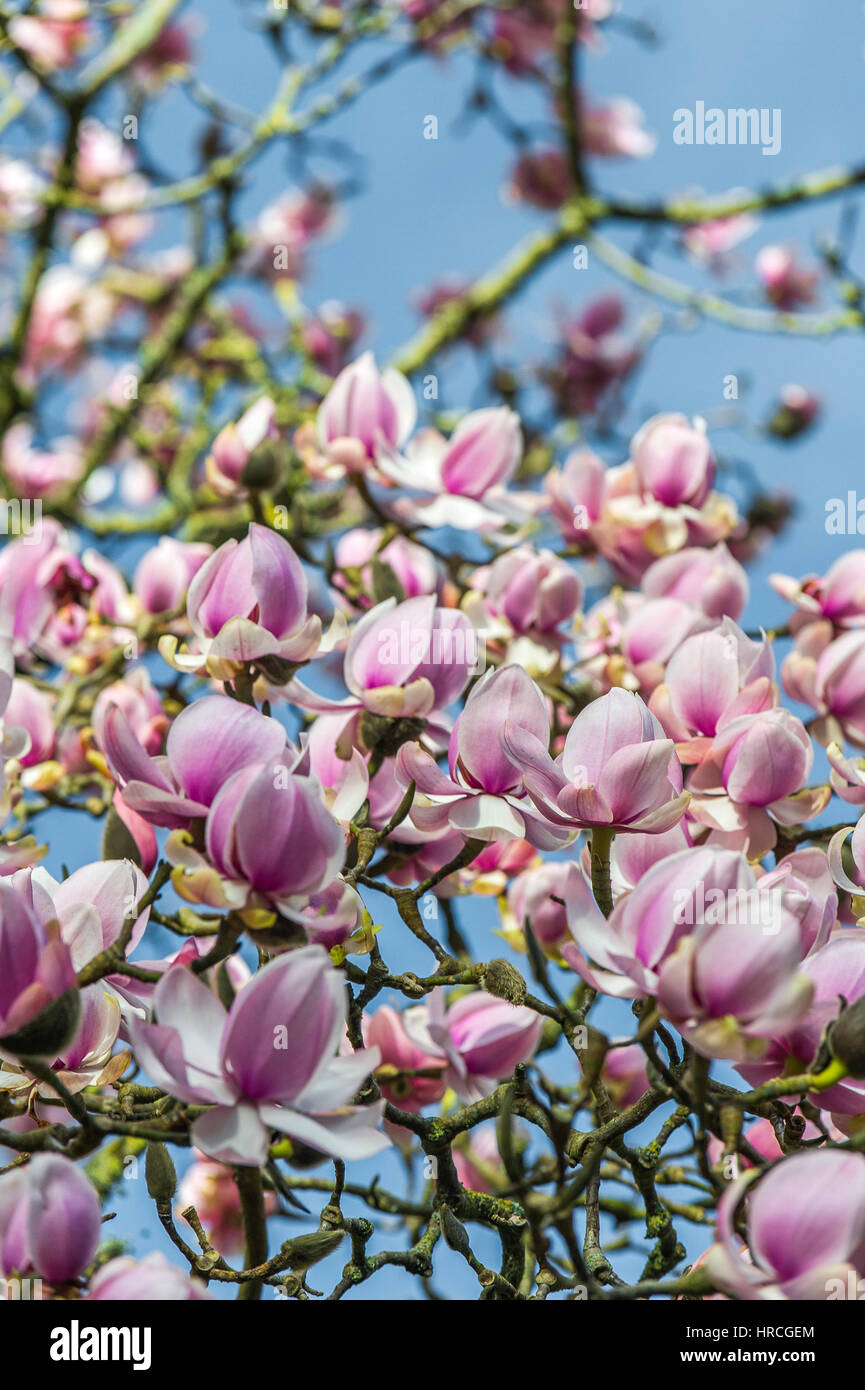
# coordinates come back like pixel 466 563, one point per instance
pixel 701 934
pixel 73 750
pixel 711 242
pixel 35 970
pixel 334 916
pixel 211 1189
pixel 270 834
pixel 39 472
pixel 673 460
pixel 629 949
pixel 88 1059
pixel 485 794
pixel 614 130
pixel 805 880
pixel 104 893
pixel 829 675
pixel 636 526
pixel 482 329
pixel 53 36
pixel 487 874
pixel 711 580
pixel 481 1038
pixel 21 855
pixel 425 853
pixel 631 856
pixel 109 598
pixel 146 851
pixel 533 591
pixel 806 1230
pixel 385 1030
pixel 164 572
pixel 497 863
pixel 483 452
pixel 102 157
pixel 247 602
pixel 542 178
pixel 624 1075
pixel 169 55
pixel 415 568
pixel 715 676
pixel 519 604
pixel 836 971
pixel 719 702
pixel 139 700
pixel 337 758
pixel 729 987
pixel 615 510
pixel 576 494
pixel 786 283
pixel 442 35
pixel 136 995
pixel 50 1219
pixel 651 634
pixel 795 411
pixel 762 1138
pixel 617 768
pixel 404 660
pixel 20 190
pixel 29 710
pixel 91 906
pixel 153 1279
pixel 208 742
pixel 838 595
pixel 847 779
pixel 463 480
pixel 287 227
pixel 592 357
pixel 601 634
pixel 48 595
pixel 540 896
pixel 270 1063
pixel 235 445
pixel 801 882
pixel 331 336
pixel 522 37
pixel 753 775
pixel 478 1161
pixel 70 311
pixel 365 415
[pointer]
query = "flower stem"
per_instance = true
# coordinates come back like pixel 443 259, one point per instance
pixel 254 1227
pixel 602 841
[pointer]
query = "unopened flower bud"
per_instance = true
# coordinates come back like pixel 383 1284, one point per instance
pixel 504 981
pixel 305 1251
pixel 454 1232
pixel 50 1031
pixel 159 1173
pixel 847 1038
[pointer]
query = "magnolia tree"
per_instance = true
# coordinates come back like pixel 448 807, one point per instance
pixel 333 665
